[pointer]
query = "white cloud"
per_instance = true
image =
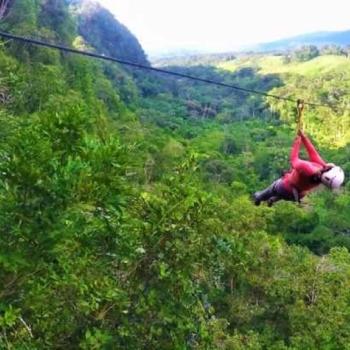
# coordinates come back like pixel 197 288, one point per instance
pixel 161 25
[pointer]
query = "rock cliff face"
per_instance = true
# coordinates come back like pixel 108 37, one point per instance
pixel 103 31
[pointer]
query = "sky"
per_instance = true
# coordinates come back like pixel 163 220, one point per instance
pixel 164 26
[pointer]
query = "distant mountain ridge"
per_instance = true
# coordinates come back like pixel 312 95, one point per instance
pixel 341 38
pixel 319 39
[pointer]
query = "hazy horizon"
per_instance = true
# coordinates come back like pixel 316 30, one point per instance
pixel 221 25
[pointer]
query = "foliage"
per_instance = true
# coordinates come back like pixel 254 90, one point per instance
pixel 306 53
pixel 125 212
pixel 105 33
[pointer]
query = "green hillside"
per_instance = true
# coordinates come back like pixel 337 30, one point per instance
pixel 125 210
pixel 324 79
pixel 277 65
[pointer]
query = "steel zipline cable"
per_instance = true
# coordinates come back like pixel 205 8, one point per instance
pixel 149 68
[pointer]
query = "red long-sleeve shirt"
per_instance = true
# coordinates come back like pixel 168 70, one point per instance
pixel 302 175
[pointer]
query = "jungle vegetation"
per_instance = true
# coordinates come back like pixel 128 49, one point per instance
pixel 125 213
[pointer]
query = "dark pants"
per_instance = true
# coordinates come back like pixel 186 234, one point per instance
pixel 274 193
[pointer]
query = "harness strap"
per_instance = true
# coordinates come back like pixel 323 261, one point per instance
pixel 300 110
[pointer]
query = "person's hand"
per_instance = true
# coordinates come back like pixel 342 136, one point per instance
pixel 301 133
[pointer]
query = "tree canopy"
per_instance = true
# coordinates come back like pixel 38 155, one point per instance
pixel 125 212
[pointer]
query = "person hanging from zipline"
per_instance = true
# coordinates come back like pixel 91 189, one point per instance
pixel 303 177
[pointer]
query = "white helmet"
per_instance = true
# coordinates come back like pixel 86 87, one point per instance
pixel 333 178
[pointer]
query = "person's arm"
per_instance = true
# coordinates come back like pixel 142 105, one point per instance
pixel 294 154
pixel 311 150
pixel 299 165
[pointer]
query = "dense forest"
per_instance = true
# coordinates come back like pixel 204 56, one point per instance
pixel 126 219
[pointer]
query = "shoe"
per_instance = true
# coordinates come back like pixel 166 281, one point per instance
pixel 255 199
